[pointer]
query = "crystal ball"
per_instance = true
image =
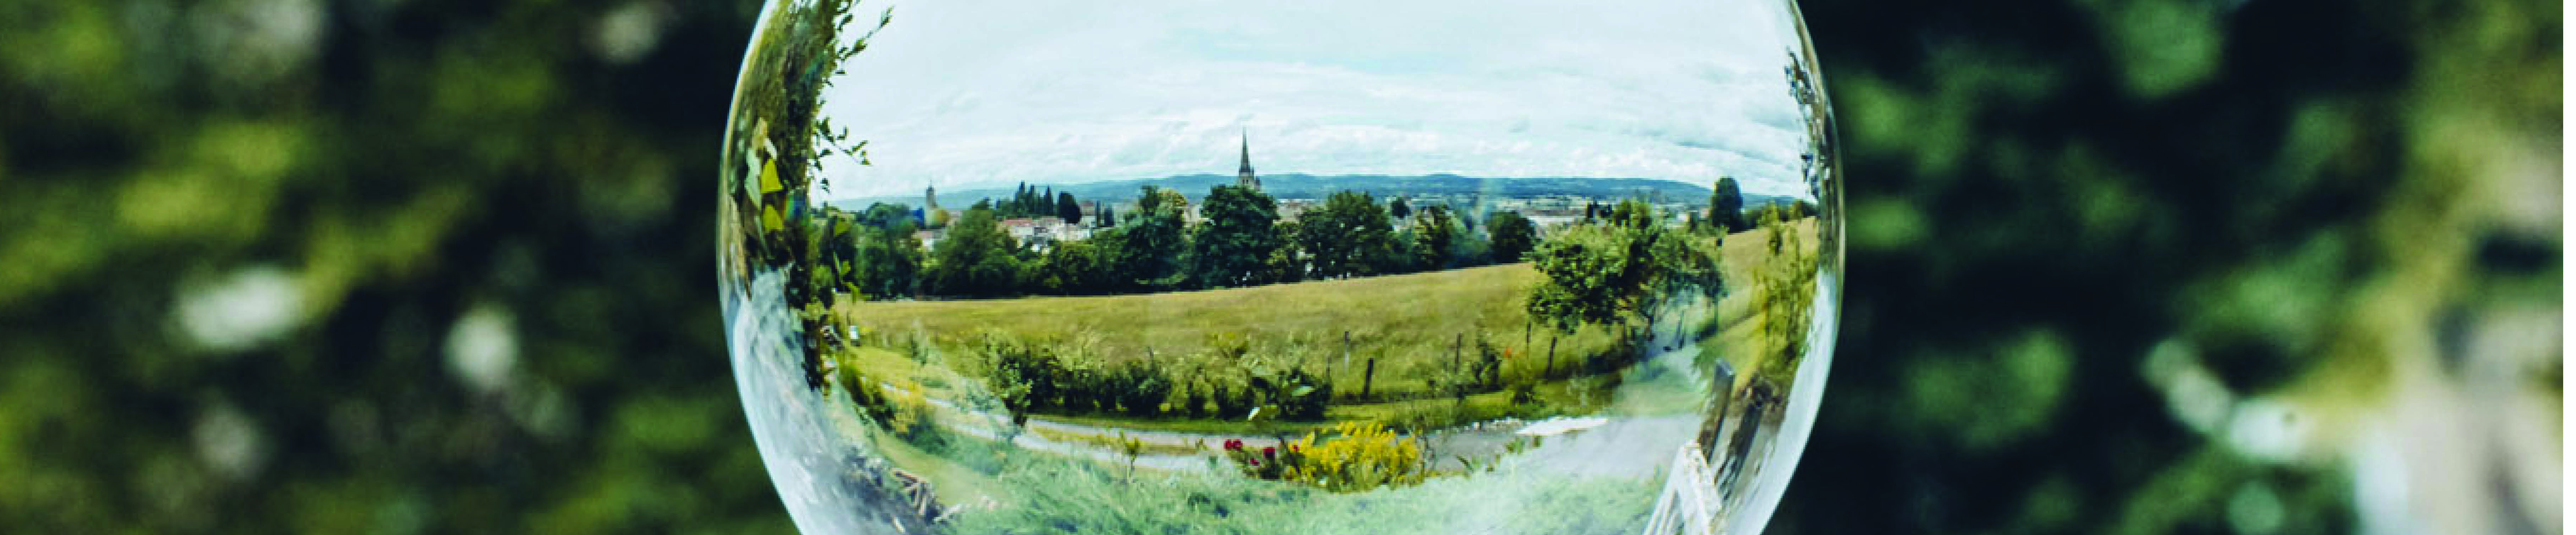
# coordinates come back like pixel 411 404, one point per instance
pixel 1302 267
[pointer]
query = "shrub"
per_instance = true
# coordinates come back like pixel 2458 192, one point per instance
pixel 1487 370
pixel 1140 388
pixel 1524 392
pixel 1025 377
pixel 1301 396
pixel 1361 456
pixel 906 407
pixel 871 400
pixel 1193 399
pixel 1232 400
pixel 1298 395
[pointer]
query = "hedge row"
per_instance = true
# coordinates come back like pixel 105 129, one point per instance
pixel 1034 379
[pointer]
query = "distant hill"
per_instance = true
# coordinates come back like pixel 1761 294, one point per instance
pixel 1304 186
pixel 1297 185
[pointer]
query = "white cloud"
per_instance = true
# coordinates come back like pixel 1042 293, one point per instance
pixel 969 93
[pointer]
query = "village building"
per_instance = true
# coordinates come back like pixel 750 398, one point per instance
pixel 1021 229
pixel 1551 220
pixel 1289 209
pixel 929 238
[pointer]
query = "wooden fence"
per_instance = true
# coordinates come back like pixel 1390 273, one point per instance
pixel 1689 504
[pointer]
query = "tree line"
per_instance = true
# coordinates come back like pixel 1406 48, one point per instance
pixel 1239 240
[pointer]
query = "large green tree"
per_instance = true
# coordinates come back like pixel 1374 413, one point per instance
pixel 1234 242
pixel 1067 209
pixel 1287 263
pixel 887 216
pixel 1610 273
pixel 1153 240
pixel 889 262
pixel 1080 267
pixel 1435 238
pixel 1511 235
pixel 977 258
pixel 1592 275
pixel 1350 235
pixel 1726 205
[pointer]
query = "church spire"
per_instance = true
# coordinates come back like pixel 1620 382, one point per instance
pixel 1243 177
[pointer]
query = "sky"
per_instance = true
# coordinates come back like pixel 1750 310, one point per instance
pixel 981 93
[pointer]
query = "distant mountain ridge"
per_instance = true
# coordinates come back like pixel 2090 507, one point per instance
pixel 1305 186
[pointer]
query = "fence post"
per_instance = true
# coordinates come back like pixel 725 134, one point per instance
pixel 1368 377
pixel 1551 355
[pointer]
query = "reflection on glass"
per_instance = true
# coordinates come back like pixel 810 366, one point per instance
pixel 1329 267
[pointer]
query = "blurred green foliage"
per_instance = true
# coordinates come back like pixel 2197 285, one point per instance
pixel 2317 206
pixel 397 267
pixel 278 266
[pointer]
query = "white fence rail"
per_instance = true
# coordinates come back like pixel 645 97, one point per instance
pixel 1689 504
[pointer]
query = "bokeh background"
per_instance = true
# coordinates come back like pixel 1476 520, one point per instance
pixel 2117 266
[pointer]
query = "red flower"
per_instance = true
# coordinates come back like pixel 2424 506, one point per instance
pixel 1233 444
pixel 1267 451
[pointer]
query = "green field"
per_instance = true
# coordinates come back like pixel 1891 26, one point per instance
pixel 1739 337
pixel 1407 323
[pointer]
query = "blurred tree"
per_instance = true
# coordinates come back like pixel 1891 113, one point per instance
pixel 2094 244
pixel 425 267
pixel 334 267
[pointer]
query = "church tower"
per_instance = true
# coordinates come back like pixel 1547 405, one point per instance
pixel 1243 177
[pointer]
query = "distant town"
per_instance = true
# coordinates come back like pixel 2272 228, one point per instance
pixel 1550 203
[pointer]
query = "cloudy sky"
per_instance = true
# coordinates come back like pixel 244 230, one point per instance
pixel 971 93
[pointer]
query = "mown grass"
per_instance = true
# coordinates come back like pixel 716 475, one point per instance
pixel 1408 323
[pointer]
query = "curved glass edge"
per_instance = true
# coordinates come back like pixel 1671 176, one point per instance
pixel 1807 391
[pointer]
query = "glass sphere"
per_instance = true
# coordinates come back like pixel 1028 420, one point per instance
pixel 1306 267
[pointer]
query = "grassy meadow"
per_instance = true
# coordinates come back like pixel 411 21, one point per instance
pixel 1738 336
pixel 1407 323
